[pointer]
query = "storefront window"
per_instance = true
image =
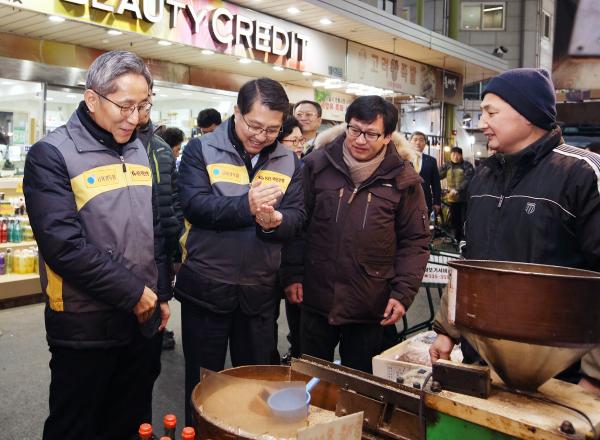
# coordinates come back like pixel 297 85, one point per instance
pixel 61 102
pixel 21 111
pixel 179 106
pixel 486 16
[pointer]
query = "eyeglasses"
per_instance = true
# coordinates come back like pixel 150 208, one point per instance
pixel 128 110
pixel 295 142
pixel 309 115
pixel 255 130
pixel 355 132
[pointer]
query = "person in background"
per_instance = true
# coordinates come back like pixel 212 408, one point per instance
pixel 309 115
pixel 241 193
pixel 427 168
pixel 208 120
pixel 516 212
pixel 458 173
pixel 174 137
pixel 594 147
pixel 365 245
pixel 89 194
pixel 164 173
pixel 291 136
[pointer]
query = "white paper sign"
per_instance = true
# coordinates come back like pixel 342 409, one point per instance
pixel 452 283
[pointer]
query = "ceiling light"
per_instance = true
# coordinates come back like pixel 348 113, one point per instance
pixel 245 60
pixel 326 21
pixel 164 96
pixel 114 32
pixel 307 73
pixel 293 10
pixel 206 52
pixel 278 68
pixel 49 98
pixel 164 43
pixel 56 19
pixel 71 95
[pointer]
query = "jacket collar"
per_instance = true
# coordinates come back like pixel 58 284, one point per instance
pixel 89 136
pixel 392 167
pixel 536 151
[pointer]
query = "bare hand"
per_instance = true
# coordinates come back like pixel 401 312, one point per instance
pixel 393 312
pixel 263 194
pixel 441 348
pixel 165 314
pixel 145 306
pixel 268 218
pixel 294 293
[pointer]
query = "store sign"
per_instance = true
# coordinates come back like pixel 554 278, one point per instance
pixel 387 71
pixel 224 26
pixel 334 104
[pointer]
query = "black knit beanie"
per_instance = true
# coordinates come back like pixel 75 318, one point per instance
pixel 528 91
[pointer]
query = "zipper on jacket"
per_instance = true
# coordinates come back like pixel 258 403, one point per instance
pixel 339 204
pixel 352 195
pixel 123 162
pixel 500 202
pixel 366 210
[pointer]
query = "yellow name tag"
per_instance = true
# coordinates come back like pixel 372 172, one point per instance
pixel 139 173
pixel 223 172
pixel 101 177
pixel 278 179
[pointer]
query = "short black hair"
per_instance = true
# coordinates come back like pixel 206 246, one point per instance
pixel 208 117
pixel 173 136
pixel 418 133
pixel 313 103
pixel 269 92
pixel 594 147
pixel 368 108
pixel 288 126
pixel 456 150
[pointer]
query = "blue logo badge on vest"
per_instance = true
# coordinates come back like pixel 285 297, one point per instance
pixel 91 179
pixel 530 207
pixel 216 171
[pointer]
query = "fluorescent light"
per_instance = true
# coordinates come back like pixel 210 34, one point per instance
pixel 49 98
pixel 245 60
pixel 326 21
pixel 307 73
pixel 56 19
pixel 497 8
pixel 165 43
pixel 206 52
pixel 293 10
pixel 114 32
pixel 278 68
pixel 71 95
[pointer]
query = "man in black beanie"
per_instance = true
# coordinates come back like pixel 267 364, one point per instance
pixel 537 200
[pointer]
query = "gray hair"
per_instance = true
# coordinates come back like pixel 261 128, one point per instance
pixel 109 66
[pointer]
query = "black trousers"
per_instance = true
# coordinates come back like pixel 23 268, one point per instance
pixel 102 393
pixel 457 213
pixel 292 313
pixel 205 335
pixel 358 342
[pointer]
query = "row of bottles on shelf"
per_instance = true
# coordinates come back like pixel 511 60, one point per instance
pixel 15 229
pixel 19 261
pixel 170 426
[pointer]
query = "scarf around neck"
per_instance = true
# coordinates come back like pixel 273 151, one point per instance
pixel 361 171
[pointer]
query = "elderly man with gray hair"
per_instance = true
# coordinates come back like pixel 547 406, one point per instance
pixel 89 193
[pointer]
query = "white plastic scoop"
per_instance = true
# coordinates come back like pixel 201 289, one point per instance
pixel 292 404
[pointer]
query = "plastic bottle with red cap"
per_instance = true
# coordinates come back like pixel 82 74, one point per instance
pixel 170 424
pixel 188 433
pixel 145 431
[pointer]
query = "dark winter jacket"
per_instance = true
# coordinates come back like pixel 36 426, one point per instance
pixel 222 244
pixel 361 245
pixel 92 211
pixel 164 172
pixel 458 176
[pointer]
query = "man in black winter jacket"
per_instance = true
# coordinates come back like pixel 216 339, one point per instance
pixel 89 194
pixel 537 200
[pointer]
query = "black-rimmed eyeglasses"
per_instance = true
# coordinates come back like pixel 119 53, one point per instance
pixel 128 110
pixel 370 136
pixel 270 132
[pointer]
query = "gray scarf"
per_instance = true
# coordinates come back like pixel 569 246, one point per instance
pixel 361 171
